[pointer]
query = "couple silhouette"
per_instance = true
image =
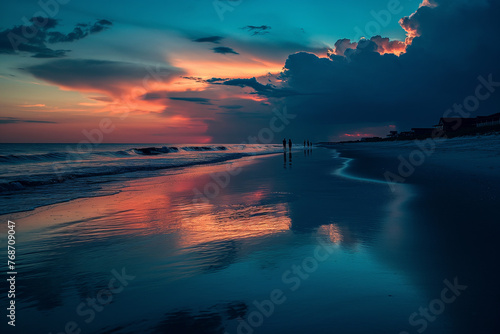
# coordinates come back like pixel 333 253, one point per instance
pixel 289 144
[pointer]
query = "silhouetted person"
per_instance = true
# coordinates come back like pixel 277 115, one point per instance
pixel 284 144
pixel 290 144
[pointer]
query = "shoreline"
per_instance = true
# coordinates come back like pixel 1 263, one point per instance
pixel 160 171
pixel 132 184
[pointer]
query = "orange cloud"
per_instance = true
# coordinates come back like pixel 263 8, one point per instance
pixel 32 105
pixel 387 46
pixel 428 3
pixel 230 68
pixel 410 23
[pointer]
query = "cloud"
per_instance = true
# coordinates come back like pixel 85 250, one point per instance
pixel 100 26
pixel 40 34
pixel 258 30
pixel 81 30
pixel 215 80
pixel 364 84
pixel 342 45
pixel 385 45
pixel 224 50
pixel 101 98
pixel 49 53
pixel 231 106
pixel 264 90
pixel 244 115
pixel 252 82
pixel 452 44
pixel 154 96
pixel 32 105
pixel 210 39
pixel 410 24
pixel 112 78
pixel 198 100
pixel 14 120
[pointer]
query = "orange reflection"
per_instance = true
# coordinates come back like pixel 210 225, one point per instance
pixel 333 232
pixel 163 206
pixel 234 222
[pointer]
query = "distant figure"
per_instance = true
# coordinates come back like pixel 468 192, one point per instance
pixel 284 144
pixel 308 143
pixel 290 144
pixel 305 144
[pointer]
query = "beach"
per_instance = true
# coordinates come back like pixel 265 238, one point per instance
pixel 458 189
pixel 250 167
pixel 313 240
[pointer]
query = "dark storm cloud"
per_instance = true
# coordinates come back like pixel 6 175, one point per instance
pixel 243 114
pixel 252 82
pixel 224 50
pixel 81 30
pixel 210 39
pixel 258 30
pixel 111 77
pixel 100 26
pixel 440 68
pixel 198 100
pixel 34 37
pixel 215 80
pixel 13 120
pixel 232 106
pixel 49 53
pixel 265 90
pixel 453 45
pixel 154 96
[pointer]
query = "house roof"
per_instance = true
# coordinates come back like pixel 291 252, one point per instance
pixel 489 118
pixel 465 121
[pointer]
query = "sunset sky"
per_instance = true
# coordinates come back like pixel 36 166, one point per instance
pixel 200 71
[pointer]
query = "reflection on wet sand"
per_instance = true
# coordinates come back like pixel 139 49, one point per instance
pixel 232 222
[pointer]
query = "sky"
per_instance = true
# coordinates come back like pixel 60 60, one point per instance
pixel 220 71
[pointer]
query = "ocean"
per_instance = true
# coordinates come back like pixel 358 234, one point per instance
pixel 33 175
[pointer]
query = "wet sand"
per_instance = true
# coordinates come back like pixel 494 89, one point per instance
pixel 456 207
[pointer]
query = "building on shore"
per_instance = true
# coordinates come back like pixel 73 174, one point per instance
pixel 491 120
pixel 422 133
pixel 456 124
pixel 451 127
